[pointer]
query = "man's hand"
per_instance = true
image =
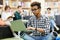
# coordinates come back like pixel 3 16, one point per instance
pixel 38 29
pixel 9 17
pixel 2 22
pixel 30 28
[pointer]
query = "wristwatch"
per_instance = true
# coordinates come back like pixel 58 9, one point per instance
pixel 36 29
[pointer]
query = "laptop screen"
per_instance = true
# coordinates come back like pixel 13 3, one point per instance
pixel 18 25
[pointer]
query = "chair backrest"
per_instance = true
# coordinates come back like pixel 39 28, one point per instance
pixel 5 32
pixel 27 17
pixel 57 17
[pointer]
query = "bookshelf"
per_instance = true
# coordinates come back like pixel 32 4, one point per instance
pixel 14 3
pixel 24 3
pixel 53 4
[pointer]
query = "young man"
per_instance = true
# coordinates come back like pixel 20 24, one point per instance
pixel 20 13
pixel 52 18
pixel 17 14
pixel 40 25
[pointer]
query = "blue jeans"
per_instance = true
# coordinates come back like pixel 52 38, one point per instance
pixel 52 22
pixel 51 36
pixel 58 38
pixel 46 37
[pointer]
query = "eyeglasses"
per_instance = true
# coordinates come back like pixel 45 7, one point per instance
pixel 33 9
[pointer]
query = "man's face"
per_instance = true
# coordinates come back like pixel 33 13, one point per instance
pixel 8 9
pixel 20 9
pixel 35 10
pixel 49 11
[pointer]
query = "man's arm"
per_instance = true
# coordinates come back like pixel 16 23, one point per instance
pixel 29 27
pixel 38 29
pixel 41 30
pixel 2 23
pixel 46 28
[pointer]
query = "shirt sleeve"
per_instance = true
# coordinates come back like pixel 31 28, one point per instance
pixel 3 16
pixel 29 23
pixel 47 25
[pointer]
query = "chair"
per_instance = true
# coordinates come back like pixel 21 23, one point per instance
pixel 57 20
pixel 5 32
pixel 52 29
pixel 27 17
pixel 57 17
pixel 17 22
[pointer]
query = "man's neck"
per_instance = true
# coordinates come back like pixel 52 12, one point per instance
pixel 38 16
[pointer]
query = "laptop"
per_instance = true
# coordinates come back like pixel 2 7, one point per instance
pixel 18 25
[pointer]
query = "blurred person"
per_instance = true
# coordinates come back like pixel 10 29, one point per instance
pixel 7 15
pixel 5 19
pixel 5 30
pixel 17 13
pixel 52 18
pixel 20 13
pixel 49 13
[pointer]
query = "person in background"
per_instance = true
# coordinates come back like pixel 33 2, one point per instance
pixel 17 14
pixel 6 15
pixel 20 13
pixel 40 25
pixel 49 13
pixel 52 18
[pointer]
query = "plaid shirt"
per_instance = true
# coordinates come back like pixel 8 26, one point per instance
pixel 43 22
